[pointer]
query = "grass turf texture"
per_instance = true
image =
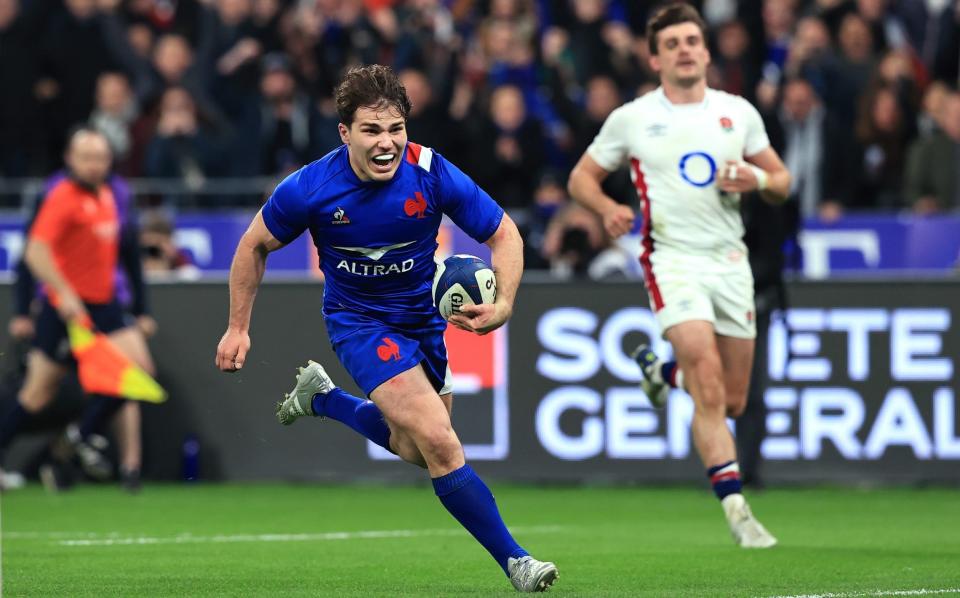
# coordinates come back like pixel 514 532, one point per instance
pixel 609 542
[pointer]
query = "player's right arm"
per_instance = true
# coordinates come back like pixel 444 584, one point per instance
pixel 604 155
pixel 585 188
pixel 246 272
pixel 280 221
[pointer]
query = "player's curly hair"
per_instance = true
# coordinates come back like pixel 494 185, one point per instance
pixel 372 86
pixel 672 14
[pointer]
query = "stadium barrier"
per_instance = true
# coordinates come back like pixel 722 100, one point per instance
pixel 863 389
pixel 888 245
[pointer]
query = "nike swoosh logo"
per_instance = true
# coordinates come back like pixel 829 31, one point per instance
pixel 374 253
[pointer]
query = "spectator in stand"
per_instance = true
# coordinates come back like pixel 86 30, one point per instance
pixel 265 17
pixel 428 40
pixel 548 199
pixel 873 167
pixel 574 237
pixel 602 98
pixel 114 114
pixel 287 120
pixel 946 55
pixel 778 23
pixel 805 135
pixel 508 152
pixel 169 60
pixel 849 73
pixel 886 26
pixel 427 122
pixel 810 51
pixel 236 54
pixel 589 49
pixel 162 259
pixel 732 69
pixel 933 104
pixel 897 70
pixel 184 146
pixel 72 54
pixel 20 151
pixel 933 163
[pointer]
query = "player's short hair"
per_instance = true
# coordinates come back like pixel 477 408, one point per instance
pixel 673 14
pixel 373 86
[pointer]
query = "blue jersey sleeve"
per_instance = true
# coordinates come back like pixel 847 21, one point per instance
pixel 285 213
pixel 470 207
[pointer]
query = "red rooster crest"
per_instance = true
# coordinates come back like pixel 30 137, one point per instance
pixel 388 350
pixel 415 207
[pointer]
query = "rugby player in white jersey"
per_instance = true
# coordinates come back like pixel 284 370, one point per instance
pixel 692 152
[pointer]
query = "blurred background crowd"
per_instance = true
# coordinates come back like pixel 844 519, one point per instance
pixel 859 96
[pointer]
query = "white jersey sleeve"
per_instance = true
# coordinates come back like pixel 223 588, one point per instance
pixel 610 147
pixel 756 140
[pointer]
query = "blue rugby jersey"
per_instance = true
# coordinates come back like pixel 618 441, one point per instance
pixel 376 240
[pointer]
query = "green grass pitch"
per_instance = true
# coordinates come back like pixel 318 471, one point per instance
pixel 307 540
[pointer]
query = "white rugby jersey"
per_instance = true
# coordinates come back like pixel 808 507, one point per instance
pixel 676 153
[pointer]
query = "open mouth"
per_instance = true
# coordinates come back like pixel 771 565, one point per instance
pixel 383 162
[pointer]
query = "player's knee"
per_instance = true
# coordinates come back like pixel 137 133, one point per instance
pixel 406 449
pixel 736 406
pixel 439 444
pixel 736 400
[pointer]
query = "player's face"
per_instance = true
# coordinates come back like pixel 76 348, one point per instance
pixel 88 158
pixel 375 141
pixel 682 57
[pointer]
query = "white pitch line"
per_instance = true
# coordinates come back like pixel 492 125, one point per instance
pixel 82 539
pixel 920 592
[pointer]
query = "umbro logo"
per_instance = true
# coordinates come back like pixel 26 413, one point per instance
pixel 340 217
pixel 656 130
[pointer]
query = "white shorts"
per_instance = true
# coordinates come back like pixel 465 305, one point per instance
pixel 715 288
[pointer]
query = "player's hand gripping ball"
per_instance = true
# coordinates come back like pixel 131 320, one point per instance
pixel 462 280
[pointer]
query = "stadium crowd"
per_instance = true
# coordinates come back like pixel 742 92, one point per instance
pixel 859 96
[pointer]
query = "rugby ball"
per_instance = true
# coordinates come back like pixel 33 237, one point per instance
pixel 462 280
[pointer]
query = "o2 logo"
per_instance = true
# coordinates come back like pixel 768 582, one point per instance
pixel 698 168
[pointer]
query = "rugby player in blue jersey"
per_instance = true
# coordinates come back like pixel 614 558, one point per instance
pixel 373 207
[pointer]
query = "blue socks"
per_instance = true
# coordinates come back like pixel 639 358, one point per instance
pixel 725 479
pixel 363 416
pixel 471 503
pixel 462 493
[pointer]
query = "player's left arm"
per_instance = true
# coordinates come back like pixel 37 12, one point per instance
pixel 764 172
pixel 776 188
pixel 506 248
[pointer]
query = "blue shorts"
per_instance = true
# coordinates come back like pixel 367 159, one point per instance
pixel 374 352
pixel 51 332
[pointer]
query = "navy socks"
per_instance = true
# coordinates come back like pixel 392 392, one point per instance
pixel 725 479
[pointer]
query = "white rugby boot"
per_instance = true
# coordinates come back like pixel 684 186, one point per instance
pixel 747 532
pixel 311 380
pixel 527 574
